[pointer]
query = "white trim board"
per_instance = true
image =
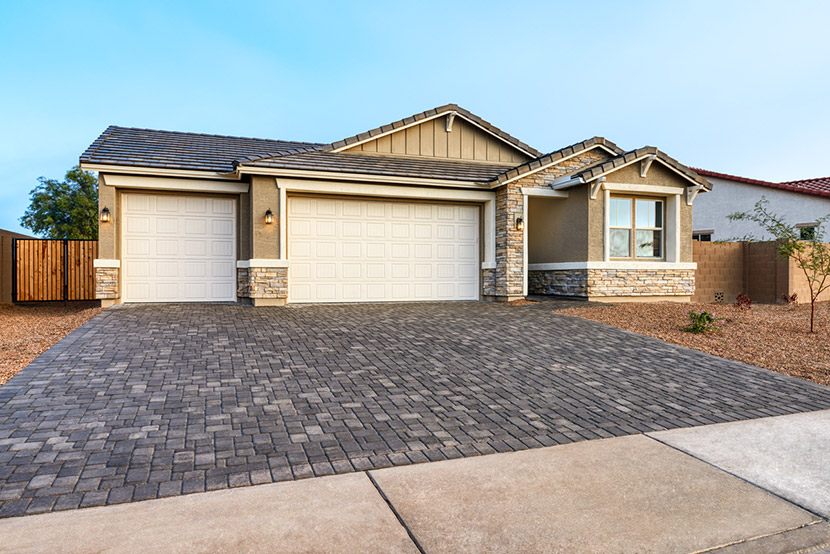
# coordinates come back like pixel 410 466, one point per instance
pixel 649 189
pixel 101 262
pixel 364 177
pixel 138 170
pixel 179 185
pixel 261 262
pixel 611 265
pixel 546 192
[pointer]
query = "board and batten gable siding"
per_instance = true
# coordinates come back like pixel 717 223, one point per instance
pixel 431 139
pixel 713 208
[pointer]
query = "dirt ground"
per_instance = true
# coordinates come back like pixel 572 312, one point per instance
pixel 28 331
pixel 775 337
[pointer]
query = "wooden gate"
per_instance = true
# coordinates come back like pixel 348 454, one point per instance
pixel 53 270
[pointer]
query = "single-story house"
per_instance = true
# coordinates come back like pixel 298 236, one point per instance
pixel 441 205
pixel 799 203
pixel 7 263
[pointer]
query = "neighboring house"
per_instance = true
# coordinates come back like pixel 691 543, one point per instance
pixel 7 264
pixel 799 203
pixel 441 205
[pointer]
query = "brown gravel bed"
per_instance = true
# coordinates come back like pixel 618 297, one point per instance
pixel 26 332
pixel 775 337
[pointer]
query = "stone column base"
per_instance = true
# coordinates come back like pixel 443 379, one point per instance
pixel 265 286
pixel 106 283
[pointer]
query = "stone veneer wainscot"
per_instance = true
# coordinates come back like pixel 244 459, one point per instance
pixel 612 282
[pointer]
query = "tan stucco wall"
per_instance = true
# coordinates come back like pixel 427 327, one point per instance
pixel 108 232
pixel 263 196
pixel 557 228
pixel 596 224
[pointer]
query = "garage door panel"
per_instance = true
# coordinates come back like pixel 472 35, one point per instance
pixel 178 248
pixel 350 250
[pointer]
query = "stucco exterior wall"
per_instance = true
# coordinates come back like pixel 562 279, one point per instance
pixel 108 233
pixel 557 228
pixel 263 196
pixel 712 209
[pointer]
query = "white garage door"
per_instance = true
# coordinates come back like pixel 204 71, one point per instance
pixel 374 250
pixel 178 248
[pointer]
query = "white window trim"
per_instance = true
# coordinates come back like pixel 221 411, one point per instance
pixel 486 197
pixel 671 233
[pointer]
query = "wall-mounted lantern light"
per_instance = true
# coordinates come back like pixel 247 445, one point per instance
pixel 105 215
pixel 269 217
pixel 520 224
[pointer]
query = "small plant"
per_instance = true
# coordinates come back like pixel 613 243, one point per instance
pixel 790 299
pixel 743 302
pixel 703 322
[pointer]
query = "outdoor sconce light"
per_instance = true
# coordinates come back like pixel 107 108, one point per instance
pixel 269 217
pixel 520 224
pixel 105 215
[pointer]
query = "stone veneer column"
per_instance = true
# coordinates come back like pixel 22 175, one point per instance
pixel 507 280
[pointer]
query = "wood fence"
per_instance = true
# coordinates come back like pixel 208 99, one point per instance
pixel 53 270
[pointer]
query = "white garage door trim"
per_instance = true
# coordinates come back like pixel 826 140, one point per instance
pixel 178 248
pixel 381 250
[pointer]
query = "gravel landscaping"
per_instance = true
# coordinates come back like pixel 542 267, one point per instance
pixel 26 332
pixel 775 337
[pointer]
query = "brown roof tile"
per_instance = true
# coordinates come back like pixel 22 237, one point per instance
pixel 553 157
pixel 384 164
pixel 177 150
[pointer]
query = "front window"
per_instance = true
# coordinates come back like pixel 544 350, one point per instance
pixel 636 228
pixel 806 231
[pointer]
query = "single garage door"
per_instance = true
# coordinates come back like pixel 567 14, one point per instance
pixel 178 248
pixel 349 250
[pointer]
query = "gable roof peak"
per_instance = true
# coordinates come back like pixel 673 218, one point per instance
pixel 543 161
pixel 424 116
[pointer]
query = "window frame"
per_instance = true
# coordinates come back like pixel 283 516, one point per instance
pixel 632 229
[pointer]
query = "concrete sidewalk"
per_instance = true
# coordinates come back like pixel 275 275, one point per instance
pixel 638 493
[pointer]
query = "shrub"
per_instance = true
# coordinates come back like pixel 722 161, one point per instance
pixel 702 322
pixel 743 302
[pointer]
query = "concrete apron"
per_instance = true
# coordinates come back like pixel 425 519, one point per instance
pixel 787 455
pixel 628 494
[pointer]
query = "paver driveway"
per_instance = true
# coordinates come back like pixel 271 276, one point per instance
pixel 158 400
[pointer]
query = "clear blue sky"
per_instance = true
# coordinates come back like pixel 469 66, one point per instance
pixel 739 87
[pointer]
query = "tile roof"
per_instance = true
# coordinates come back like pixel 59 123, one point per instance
pixel 177 150
pixel 607 166
pixel 385 164
pixel 445 109
pixel 547 159
pixel 819 186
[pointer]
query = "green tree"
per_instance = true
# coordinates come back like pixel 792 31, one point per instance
pixel 65 209
pixel 810 253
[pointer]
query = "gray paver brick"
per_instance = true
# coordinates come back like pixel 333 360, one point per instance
pixel 153 401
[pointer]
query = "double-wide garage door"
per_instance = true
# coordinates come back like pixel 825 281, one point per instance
pixel 350 250
pixel 178 248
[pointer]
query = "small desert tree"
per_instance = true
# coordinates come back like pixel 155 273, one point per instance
pixel 811 255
